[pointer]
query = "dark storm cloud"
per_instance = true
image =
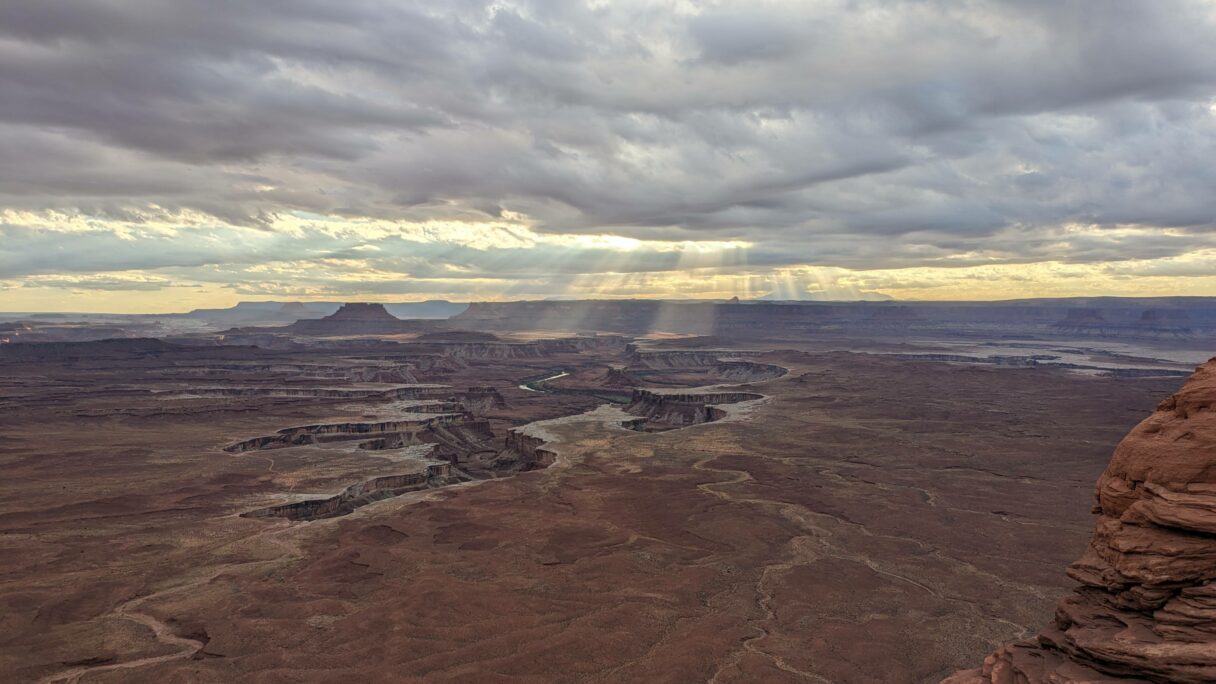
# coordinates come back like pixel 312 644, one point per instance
pixel 862 134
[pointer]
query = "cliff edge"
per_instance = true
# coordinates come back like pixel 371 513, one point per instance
pixel 1146 607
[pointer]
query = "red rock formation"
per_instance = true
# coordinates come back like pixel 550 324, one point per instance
pixel 361 494
pixel 619 377
pixel 1146 607
pixel 661 410
pixel 523 452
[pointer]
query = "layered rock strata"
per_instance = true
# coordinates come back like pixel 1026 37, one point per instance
pixel 1146 607
pixel 524 452
pixel 358 495
pixel 680 359
pixel 671 410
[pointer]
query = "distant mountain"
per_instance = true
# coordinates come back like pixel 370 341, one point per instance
pixel 358 318
pixel 1133 318
pixel 290 312
pixel 262 311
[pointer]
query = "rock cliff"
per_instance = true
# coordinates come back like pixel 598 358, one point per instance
pixel 1146 607
pixel 1068 317
pixel 358 495
pixel 358 319
pixel 666 410
pixel 523 452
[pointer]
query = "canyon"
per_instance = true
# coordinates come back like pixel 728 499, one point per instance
pixel 505 495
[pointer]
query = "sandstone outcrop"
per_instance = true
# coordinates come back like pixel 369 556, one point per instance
pixel 720 365
pixel 355 496
pixel 424 430
pixel 746 371
pixel 523 452
pixel 619 377
pixel 1146 607
pixel 680 359
pixel 660 411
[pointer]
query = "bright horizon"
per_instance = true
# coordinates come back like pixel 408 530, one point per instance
pixel 398 300
pixel 157 160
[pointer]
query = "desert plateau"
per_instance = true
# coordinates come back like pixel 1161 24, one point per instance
pixel 376 499
pixel 607 342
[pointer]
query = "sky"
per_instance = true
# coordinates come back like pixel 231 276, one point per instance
pixel 162 155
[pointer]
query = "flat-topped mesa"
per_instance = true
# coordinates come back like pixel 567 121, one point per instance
pixel 681 359
pixel 361 312
pixel 1146 607
pixel 661 411
pixel 533 349
pixel 408 430
pixel 296 309
pixel 360 319
pixel 358 495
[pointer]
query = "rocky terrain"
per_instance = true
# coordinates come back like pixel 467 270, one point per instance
pixel 1146 607
pixel 477 507
pixel 661 410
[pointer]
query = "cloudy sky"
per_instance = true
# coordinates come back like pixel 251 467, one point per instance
pixel 160 155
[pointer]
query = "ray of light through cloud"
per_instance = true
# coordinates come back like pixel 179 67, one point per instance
pixel 161 155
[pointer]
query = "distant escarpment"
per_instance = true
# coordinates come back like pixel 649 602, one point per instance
pixel 92 349
pixel 1146 607
pixel 1165 317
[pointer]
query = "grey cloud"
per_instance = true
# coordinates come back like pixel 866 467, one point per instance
pixel 826 133
pixel 101 283
pixel 734 37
